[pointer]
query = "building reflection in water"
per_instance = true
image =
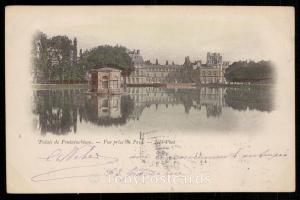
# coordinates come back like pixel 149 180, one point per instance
pixel 210 98
pixel 59 111
pixel 107 110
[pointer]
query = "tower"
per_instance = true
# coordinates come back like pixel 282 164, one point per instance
pixel 214 59
pixel 187 62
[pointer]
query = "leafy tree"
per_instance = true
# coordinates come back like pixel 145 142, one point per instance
pixel 59 49
pixel 40 57
pixel 243 71
pixel 107 56
pixel 52 59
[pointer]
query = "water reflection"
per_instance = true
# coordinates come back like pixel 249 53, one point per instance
pixel 211 98
pixel 252 98
pixel 105 110
pixel 59 111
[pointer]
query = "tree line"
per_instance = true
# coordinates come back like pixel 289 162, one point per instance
pixel 53 59
pixel 110 56
pixel 56 59
pixel 243 71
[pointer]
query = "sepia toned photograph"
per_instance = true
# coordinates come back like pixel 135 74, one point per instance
pixel 149 99
pixel 112 86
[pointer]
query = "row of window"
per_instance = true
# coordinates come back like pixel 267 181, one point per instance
pixel 155 74
pixel 210 80
pixel 204 90
pixel 155 70
pixel 147 80
pixel 144 90
pixel 163 69
pixel 209 73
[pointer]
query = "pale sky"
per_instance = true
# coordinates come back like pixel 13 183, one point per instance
pixel 171 33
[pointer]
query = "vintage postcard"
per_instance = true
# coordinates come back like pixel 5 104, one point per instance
pixel 149 99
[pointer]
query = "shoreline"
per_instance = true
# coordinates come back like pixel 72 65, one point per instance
pixel 59 86
pixel 167 86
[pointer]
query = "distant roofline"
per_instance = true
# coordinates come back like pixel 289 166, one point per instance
pixel 160 65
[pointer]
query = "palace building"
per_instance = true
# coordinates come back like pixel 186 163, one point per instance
pixel 213 59
pixel 212 72
pixel 148 73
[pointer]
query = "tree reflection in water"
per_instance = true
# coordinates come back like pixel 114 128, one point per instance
pixel 58 111
pixel 253 98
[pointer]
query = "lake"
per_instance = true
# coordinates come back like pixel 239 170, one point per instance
pixel 202 109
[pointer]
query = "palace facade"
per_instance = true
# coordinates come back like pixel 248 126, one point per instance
pixel 212 72
pixel 148 73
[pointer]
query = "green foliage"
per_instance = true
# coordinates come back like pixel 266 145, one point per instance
pixel 59 49
pixel 52 59
pixel 40 57
pixel 108 56
pixel 243 71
